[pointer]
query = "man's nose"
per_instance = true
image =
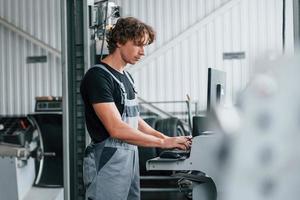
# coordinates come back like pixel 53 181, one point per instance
pixel 142 51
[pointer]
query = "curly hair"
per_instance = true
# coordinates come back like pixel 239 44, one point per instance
pixel 126 29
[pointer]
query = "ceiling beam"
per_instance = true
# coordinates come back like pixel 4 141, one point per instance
pixel 29 37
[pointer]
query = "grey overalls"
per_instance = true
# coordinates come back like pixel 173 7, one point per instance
pixel 111 167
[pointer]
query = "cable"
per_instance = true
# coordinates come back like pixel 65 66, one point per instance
pixel 185 186
pixel 104 31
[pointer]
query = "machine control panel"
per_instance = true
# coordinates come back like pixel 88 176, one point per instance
pixel 48 104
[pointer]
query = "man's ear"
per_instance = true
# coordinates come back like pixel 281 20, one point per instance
pixel 118 45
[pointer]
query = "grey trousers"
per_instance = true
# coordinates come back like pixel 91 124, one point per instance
pixel 111 171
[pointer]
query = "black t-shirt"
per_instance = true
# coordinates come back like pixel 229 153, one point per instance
pixel 98 86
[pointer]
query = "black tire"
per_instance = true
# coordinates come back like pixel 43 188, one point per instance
pixel 170 127
pixel 147 153
pixel 151 121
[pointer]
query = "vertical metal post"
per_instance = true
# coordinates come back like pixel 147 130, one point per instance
pixel 73 117
pixel 64 59
pixel 296 8
pixel 283 25
pixel 189 109
pixel 89 44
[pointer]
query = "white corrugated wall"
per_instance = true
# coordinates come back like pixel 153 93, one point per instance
pixel 20 82
pixel 192 36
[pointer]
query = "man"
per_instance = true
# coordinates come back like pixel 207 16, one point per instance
pixel 110 167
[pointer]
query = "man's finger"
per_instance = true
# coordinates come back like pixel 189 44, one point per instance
pixel 181 146
pixel 189 138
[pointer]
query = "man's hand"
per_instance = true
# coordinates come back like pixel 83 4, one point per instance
pixel 180 142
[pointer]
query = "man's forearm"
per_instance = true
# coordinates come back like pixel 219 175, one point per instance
pixel 145 128
pixel 126 133
pixel 156 134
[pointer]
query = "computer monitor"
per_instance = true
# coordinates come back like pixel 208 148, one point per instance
pixel 216 86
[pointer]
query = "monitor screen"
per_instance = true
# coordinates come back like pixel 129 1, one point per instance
pixel 216 86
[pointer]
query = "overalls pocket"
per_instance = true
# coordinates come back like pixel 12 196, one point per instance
pixel 89 166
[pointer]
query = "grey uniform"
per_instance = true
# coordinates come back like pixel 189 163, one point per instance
pixel 110 168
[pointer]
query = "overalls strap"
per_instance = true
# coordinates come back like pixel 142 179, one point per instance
pixel 122 87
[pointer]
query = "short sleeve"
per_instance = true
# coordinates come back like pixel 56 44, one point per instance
pixel 98 86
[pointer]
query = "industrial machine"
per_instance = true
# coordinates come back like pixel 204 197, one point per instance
pixel 17 165
pixel 31 153
pixel 200 165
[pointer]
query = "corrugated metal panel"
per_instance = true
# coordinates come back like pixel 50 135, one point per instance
pixel 21 82
pixel 252 26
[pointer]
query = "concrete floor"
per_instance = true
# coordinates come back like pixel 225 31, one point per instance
pixel 162 196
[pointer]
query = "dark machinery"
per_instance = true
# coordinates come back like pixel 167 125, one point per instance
pixel 47 119
pixel 31 150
